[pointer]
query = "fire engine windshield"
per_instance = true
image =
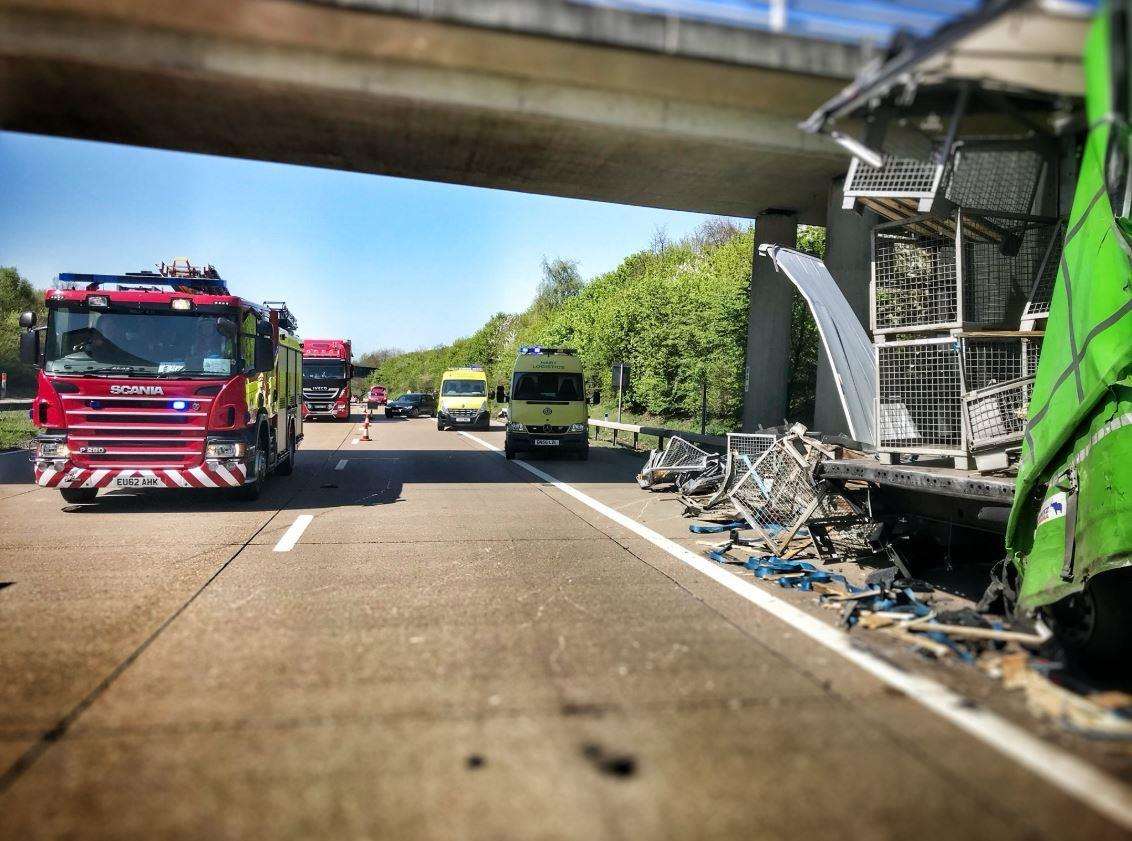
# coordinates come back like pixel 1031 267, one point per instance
pixel 319 369
pixel 463 388
pixel 148 344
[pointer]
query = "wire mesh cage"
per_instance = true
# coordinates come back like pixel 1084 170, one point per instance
pixel 1041 294
pixel 996 414
pixel 1002 176
pixel 922 386
pixel 778 493
pixel 919 385
pixel 743 449
pixel 925 278
pixel 677 458
pixel 991 175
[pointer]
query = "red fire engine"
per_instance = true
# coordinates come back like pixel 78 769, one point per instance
pixel 161 380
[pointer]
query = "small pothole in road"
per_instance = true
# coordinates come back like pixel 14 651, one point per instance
pixel 324 487
pixel 475 761
pixel 5 584
pixel 613 764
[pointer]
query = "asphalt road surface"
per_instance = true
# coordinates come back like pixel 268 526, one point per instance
pixel 413 638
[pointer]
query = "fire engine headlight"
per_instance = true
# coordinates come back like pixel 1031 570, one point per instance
pixel 98 301
pixel 225 449
pixel 577 427
pixel 516 427
pixel 182 304
pixel 53 449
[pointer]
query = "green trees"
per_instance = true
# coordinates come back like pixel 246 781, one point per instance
pixel 16 295
pixel 676 312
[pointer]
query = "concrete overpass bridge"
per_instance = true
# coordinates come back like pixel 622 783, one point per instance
pixel 592 100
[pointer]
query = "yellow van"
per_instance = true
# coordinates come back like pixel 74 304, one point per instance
pixel 547 405
pixel 463 399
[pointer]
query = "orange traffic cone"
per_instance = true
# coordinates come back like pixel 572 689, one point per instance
pixel 365 426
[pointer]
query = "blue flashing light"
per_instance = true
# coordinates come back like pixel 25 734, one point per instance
pixel 180 405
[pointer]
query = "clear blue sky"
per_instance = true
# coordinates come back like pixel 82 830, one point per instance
pixel 384 261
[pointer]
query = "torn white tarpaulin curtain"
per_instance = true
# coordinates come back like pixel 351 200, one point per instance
pixel 845 341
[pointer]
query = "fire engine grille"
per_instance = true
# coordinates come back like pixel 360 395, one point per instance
pixel 919 390
pixel 547 429
pixel 997 415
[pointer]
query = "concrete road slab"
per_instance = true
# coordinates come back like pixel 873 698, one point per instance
pixel 69 618
pixel 450 649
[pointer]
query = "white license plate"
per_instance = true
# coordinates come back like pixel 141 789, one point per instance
pixel 463 420
pixel 136 482
pixel 546 442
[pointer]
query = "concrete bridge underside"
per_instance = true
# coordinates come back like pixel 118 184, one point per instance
pixel 689 124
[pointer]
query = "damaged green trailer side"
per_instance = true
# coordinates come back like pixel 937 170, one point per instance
pixel 1069 537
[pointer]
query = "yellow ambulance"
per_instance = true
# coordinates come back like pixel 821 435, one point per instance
pixel 547 408
pixel 463 399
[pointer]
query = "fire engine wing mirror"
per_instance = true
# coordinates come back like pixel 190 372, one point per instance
pixel 264 355
pixel 27 319
pixel 596 398
pixel 500 394
pixel 29 346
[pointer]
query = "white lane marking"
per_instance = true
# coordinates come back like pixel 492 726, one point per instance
pixel 341 465
pixel 1059 768
pixel 291 536
pixel 354 441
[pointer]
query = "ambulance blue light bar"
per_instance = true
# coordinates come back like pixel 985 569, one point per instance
pixel 538 350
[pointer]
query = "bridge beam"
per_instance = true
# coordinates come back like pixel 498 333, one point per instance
pixel 356 89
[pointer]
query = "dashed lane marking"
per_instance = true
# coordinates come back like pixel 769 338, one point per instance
pixel 291 536
pixel 1057 767
pixel 341 465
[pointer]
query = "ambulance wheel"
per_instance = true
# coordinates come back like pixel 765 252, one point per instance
pixel 78 496
pixel 287 467
pixel 583 454
pixel 439 425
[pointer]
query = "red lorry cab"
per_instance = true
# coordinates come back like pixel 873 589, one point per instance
pixel 327 369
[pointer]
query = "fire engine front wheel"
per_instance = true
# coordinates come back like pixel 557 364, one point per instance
pixel 77 496
pixel 250 491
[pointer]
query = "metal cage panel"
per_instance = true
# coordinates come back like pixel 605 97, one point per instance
pixel 996 415
pixel 1002 176
pixel 920 384
pixel 927 279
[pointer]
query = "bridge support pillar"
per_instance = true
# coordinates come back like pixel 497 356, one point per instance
pixel 847 258
pixel 767 375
